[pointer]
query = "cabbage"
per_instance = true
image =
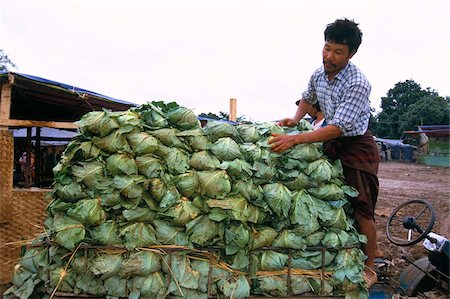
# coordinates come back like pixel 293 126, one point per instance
pixel 237 207
pixel 91 174
pixel 248 189
pixel 214 184
pixel 128 120
pixel 112 143
pixel 107 233
pixel 142 143
pixel 176 161
pixel 273 260
pixel 236 287
pixel 97 123
pixel 320 170
pixel 304 152
pixel 150 166
pixel 81 150
pixel 150 286
pixel 248 133
pixel 121 163
pixel 237 237
pixel 226 149
pixel 140 263
pixel 187 183
pixel 264 173
pixel 116 286
pixel 129 186
pixel 153 117
pixel 328 192
pixel 106 265
pixel 203 231
pixel 237 169
pixel 168 137
pixel 278 197
pixel 311 259
pixel 275 286
pixel 288 239
pixel 218 129
pixel 139 214
pixel 251 152
pixel 169 234
pixel 183 118
pixel 138 234
pixel 181 212
pixel 164 191
pixel 88 211
pixel 196 139
pixel 69 232
pixel 203 160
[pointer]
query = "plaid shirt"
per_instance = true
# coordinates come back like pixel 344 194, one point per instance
pixel 344 100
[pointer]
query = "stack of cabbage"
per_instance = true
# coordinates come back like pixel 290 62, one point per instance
pixel 133 185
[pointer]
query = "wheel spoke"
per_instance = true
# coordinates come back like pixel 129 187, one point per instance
pixel 409 234
pixel 423 210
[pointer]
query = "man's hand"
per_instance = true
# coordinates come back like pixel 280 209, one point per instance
pixel 280 143
pixel 287 122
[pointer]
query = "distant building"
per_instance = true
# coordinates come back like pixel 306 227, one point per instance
pixel 433 144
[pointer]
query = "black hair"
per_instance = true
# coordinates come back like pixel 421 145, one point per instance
pixel 346 32
pixel 317 106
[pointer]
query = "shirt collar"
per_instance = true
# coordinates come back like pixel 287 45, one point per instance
pixel 342 73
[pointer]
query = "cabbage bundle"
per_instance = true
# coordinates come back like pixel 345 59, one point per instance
pixel 134 185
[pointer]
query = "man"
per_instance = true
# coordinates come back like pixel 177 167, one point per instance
pixel 342 92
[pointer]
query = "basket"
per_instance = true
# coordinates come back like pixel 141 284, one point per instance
pixel 26 221
pixel 6 174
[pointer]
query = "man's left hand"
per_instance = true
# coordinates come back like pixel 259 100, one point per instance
pixel 280 143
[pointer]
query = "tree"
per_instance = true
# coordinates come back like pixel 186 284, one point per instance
pixel 428 110
pixel 5 63
pixel 406 106
pixel 222 116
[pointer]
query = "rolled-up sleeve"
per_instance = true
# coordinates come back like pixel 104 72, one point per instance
pixel 310 94
pixel 351 112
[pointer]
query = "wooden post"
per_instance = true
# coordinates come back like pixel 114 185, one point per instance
pixel 5 102
pixel 37 158
pixel 28 161
pixel 232 115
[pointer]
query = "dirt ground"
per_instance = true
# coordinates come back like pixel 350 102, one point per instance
pixel 400 182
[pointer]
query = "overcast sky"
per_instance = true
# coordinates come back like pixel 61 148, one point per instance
pixel 202 53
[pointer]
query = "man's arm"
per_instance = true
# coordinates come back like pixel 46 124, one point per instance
pixel 302 109
pixel 280 143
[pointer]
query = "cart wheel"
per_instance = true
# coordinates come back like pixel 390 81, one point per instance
pixel 417 216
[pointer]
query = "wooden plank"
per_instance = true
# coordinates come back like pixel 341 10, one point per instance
pixel 37 123
pixel 5 100
pixel 232 115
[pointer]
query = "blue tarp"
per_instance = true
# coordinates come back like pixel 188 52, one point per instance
pixel 389 142
pixel 399 150
pixel 67 87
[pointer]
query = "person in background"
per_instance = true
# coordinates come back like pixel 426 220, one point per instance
pixel 342 92
pixel 23 163
pixel 318 121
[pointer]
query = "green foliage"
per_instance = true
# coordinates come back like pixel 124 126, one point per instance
pixel 223 116
pixel 5 63
pixel 407 106
pixel 429 110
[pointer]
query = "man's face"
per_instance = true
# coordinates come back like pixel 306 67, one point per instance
pixel 335 57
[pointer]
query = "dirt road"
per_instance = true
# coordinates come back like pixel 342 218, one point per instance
pixel 400 182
